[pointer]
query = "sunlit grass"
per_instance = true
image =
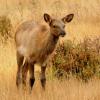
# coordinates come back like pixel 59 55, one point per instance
pixel 85 23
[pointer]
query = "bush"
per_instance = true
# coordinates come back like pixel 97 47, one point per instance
pixel 5 27
pixel 81 60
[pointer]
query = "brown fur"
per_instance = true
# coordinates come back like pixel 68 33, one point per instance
pixel 34 43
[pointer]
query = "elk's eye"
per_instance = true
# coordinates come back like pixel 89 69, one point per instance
pixel 54 26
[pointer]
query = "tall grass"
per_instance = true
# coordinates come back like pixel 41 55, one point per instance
pixel 81 59
pixel 85 22
pixel 5 28
pixel 71 89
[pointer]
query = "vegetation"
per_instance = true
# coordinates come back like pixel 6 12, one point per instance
pixel 5 28
pixel 81 60
pixel 73 59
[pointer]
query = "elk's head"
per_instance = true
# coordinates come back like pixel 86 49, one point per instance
pixel 57 27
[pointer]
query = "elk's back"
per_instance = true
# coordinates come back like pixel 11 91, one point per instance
pixel 30 38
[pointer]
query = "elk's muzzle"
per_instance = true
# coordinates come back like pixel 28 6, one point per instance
pixel 63 34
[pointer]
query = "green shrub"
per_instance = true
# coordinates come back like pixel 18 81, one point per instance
pixel 81 60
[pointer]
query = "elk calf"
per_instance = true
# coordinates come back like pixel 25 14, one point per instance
pixel 34 43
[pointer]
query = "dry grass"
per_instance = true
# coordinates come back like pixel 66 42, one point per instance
pixel 86 20
pixel 85 23
pixel 55 90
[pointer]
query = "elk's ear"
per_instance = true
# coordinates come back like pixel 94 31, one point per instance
pixel 68 18
pixel 47 18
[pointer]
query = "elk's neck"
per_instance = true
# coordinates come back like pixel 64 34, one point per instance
pixel 49 45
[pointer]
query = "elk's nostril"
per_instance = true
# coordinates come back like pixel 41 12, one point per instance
pixel 63 34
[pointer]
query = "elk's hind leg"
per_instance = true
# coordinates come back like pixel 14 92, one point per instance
pixel 32 78
pixel 24 73
pixel 19 69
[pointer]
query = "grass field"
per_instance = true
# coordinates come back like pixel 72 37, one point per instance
pixel 71 89
pixel 86 23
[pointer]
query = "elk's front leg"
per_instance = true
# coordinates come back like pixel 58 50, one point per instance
pixel 32 78
pixel 42 76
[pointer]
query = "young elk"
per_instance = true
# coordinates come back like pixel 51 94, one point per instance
pixel 34 44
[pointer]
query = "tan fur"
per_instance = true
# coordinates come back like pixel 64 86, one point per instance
pixel 35 42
